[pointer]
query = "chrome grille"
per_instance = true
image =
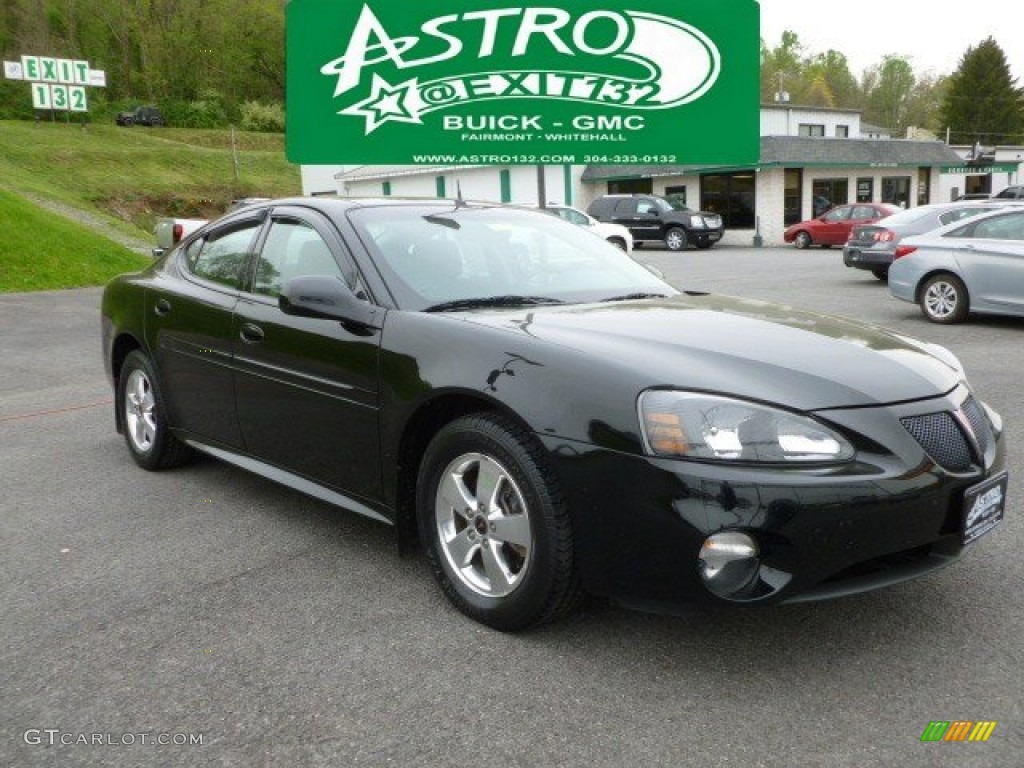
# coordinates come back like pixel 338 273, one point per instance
pixel 942 439
pixel 979 422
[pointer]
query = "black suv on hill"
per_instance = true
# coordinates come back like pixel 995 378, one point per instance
pixel 653 218
pixel 141 116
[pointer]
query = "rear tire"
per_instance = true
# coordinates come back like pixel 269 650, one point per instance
pixel 494 524
pixel 944 299
pixel 881 273
pixel 618 242
pixel 141 403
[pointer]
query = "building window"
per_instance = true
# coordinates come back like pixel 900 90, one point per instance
pixel 505 179
pixel 439 183
pixel 385 189
pixel 809 129
pixel 842 131
pixel 676 194
pixel 828 193
pixel 792 195
pixel 924 185
pixel 865 189
pixel 630 186
pixel 732 195
pixel 896 190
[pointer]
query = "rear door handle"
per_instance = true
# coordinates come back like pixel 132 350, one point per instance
pixel 162 307
pixel 251 334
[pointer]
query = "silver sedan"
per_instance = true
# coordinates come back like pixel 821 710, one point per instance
pixel 964 267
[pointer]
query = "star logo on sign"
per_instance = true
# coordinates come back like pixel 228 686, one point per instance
pixel 386 103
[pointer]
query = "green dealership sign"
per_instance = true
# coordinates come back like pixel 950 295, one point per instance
pixel 472 81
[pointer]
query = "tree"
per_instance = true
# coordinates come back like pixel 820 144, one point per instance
pixel 886 102
pixel 982 102
pixel 781 67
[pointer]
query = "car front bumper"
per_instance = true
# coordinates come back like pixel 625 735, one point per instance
pixel 639 522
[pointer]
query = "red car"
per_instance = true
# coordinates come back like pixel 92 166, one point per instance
pixel 833 227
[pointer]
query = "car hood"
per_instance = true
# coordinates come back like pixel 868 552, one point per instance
pixel 742 347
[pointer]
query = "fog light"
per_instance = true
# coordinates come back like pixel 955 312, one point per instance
pixel 728 562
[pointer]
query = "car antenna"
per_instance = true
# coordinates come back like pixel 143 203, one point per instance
pixel 459 202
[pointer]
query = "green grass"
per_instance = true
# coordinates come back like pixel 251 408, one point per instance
pixel 42 251
pixel 135 175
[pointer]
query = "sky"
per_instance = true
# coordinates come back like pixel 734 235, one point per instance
pixel 933 36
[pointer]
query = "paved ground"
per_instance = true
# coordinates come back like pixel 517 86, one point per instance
pixel 285 632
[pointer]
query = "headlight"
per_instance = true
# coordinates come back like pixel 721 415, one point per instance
pixel 696 426
pixel 697 222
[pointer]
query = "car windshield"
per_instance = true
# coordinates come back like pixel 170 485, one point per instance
pixel 434 255
pixel 670 204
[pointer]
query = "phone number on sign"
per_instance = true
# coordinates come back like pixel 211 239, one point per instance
pixel 629 158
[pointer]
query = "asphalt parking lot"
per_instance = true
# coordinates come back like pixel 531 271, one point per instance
pixel 281 631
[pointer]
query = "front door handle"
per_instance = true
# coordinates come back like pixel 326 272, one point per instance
pixel 162 307
pixel 251 334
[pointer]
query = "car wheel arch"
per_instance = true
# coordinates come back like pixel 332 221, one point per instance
pixel 123 345
pixel 427 419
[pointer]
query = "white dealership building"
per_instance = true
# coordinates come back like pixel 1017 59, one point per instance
pixel 810 158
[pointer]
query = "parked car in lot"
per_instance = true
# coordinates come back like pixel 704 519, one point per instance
pixel 651 218
pixel 964 267
pixel 149 116
pixel 834 226
pixel 615 234
pixel 1015 192
pixel 871 246
pixel 545 415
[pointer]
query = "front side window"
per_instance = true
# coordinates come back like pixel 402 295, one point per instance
pixel 222 256
pixel 838 214
pixel 293 249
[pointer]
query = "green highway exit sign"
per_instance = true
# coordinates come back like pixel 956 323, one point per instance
pixel 471 81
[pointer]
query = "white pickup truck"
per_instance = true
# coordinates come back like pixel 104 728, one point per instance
pixel 169 232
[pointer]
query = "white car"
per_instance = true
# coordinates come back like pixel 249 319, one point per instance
pixel 616 234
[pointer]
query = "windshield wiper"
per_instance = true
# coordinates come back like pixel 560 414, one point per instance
pixel 633 296
pixel 492 301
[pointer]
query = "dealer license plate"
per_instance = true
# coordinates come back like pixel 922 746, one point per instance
pixel 983 507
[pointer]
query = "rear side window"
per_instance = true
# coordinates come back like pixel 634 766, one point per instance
pixel 1008 227
pixel 222 256
pixel 960 213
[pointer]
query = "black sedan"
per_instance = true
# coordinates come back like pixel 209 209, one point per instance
pixel 546 416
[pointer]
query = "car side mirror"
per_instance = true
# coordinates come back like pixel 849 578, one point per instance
pixel 328 298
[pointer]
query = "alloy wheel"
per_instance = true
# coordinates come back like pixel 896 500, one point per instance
pixel 140 411
pixel 483 525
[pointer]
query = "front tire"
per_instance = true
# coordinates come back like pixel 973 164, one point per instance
pixel 494 524
pixel 675 239
pixel 802 240
pixel 882 273
pixel 944 300
pixel 146 433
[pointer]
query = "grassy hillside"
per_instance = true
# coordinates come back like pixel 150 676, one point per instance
pixel 138 174
pixel 40 251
